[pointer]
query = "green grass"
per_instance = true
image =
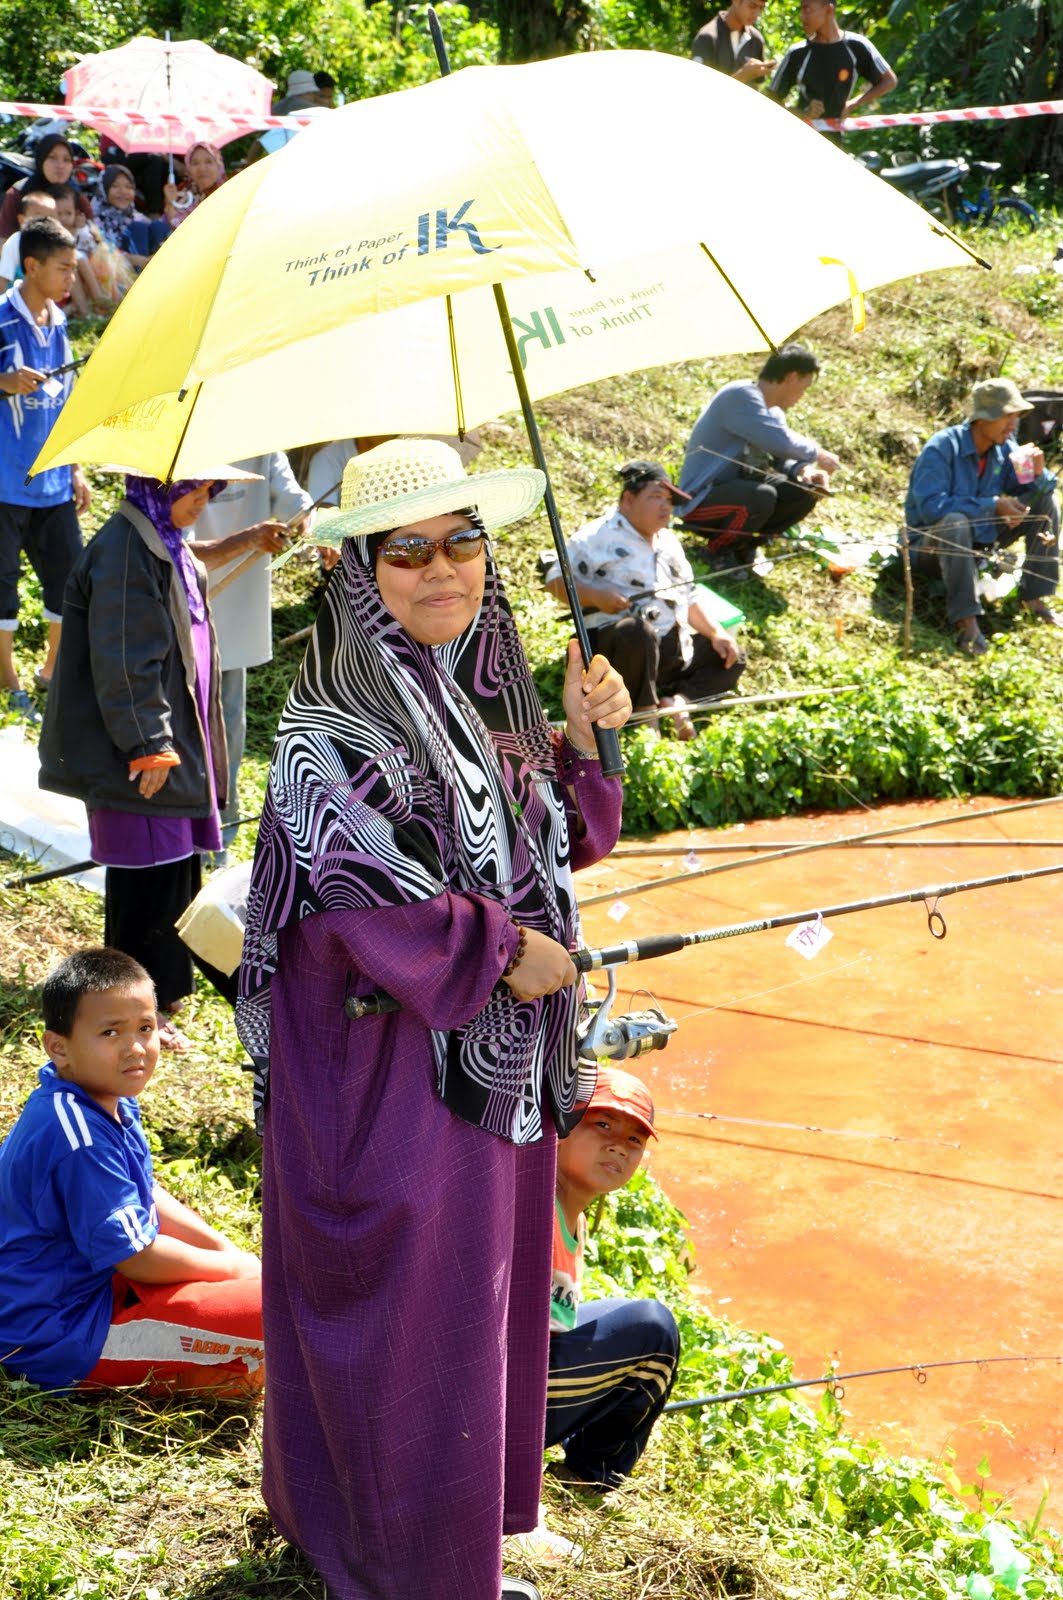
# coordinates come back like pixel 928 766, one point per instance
pixel 129 1499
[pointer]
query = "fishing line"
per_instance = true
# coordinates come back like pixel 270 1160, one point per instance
pixel 779 853
pixel 810 1127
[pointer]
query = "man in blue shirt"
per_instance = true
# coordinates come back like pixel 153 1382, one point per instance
pixel 746 474
pixel 969 491
pixel 39 517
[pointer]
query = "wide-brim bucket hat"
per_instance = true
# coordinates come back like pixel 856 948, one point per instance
pixel 410 480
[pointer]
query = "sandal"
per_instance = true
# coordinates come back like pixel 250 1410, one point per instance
pixel 171 1038
pixel 682 726
pixel 541 1544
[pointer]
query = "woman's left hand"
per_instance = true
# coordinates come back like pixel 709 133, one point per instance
pixel 151 781
pixel 595 695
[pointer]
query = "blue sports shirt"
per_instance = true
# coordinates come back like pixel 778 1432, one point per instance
pixel 26 420
pixel 75 1199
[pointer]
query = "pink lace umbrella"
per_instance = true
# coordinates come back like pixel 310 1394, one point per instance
pixel 153 94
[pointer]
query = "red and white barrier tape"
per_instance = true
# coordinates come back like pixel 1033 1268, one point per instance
pixel 137 119
pixel 899 119
pixel 923 119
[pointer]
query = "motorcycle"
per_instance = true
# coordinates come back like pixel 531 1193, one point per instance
pixel 939 186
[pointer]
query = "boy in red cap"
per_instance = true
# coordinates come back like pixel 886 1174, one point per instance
pixel 612 1362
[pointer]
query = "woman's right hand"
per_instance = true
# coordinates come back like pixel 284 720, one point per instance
pixel 545 967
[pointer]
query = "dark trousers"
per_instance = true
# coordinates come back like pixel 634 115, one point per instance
pixel 951 545
pixel 51 538
pixel 141 905
pixel 608 1382
pixel 652 668
pixel 749 508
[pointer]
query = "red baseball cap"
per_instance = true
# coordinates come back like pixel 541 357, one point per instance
pixel 617 1090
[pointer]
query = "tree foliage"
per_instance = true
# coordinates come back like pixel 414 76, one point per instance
pixel 965 52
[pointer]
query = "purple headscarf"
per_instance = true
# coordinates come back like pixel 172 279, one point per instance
pixel 156 501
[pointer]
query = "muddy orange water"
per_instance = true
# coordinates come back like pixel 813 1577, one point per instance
pixel 866 1250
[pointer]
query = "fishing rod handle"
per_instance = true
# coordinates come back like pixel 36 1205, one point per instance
pixel 618 955
pixel 358 1006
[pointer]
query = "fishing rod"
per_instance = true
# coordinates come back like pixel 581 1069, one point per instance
pixel 834 1382
pixel 52 372
pixel 780 853
pixel 666 944
pixel 31 878
pixel 629 852
pixel 285 555
pixel 724 702
pixel 811 1127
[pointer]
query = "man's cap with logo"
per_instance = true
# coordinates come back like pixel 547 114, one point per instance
pixel 617 1090
pixel 635 475
pixel 996 398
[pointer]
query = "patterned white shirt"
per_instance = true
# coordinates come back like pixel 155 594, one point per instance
pixel 609 550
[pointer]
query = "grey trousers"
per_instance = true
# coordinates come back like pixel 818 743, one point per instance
pixel 234 712
pixel 951 544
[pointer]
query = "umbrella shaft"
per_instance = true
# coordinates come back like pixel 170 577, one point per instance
pixel 605 738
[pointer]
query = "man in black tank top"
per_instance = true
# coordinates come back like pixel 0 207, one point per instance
pixel 825 68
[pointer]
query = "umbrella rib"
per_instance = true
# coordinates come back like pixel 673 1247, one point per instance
pixel 765 335
pixel 459 403
pixel 184 430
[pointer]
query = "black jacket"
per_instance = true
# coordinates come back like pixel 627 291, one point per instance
pixel 124 682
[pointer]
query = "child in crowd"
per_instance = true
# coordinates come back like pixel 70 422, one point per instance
pixel 38 203
pixel 612 1362
pixel 40 516
pixel 87 294
pixel 105 1279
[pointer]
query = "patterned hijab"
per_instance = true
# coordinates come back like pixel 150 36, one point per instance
pixel 403 770
pixel 156 500
pixel 112 221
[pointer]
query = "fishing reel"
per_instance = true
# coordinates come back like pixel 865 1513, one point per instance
pixel 651 611
pixel 635 1033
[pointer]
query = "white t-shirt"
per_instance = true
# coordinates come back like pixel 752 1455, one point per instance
pixel 10 260
pixel 241 613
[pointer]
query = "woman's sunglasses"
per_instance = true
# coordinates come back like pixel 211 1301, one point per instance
pixel 416 552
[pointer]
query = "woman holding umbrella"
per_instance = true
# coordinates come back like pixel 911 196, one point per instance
pixel 419 829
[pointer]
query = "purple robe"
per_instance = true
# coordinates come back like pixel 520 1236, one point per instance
pixel 406 1255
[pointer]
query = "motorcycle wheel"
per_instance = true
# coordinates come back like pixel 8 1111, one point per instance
pixel 1013 213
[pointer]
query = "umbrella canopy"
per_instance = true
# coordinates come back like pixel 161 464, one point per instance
pixel 191 91
pixel 637 208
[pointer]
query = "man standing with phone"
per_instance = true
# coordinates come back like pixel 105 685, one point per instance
pixel 732 43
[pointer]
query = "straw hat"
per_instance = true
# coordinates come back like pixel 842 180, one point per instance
pixel 410 480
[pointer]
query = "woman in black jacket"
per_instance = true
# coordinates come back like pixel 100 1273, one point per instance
pixel 133 725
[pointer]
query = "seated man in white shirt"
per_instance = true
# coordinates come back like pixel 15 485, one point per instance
pixel 642 606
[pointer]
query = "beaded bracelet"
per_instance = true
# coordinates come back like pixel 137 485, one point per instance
pixel 518 954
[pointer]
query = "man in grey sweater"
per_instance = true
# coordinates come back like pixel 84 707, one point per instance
pixel 735 502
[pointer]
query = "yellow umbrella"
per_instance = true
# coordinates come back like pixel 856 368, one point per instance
pixel 637 208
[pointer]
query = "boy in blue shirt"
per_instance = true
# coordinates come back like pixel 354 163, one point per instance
pixel 39 517
pixel 105 1279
